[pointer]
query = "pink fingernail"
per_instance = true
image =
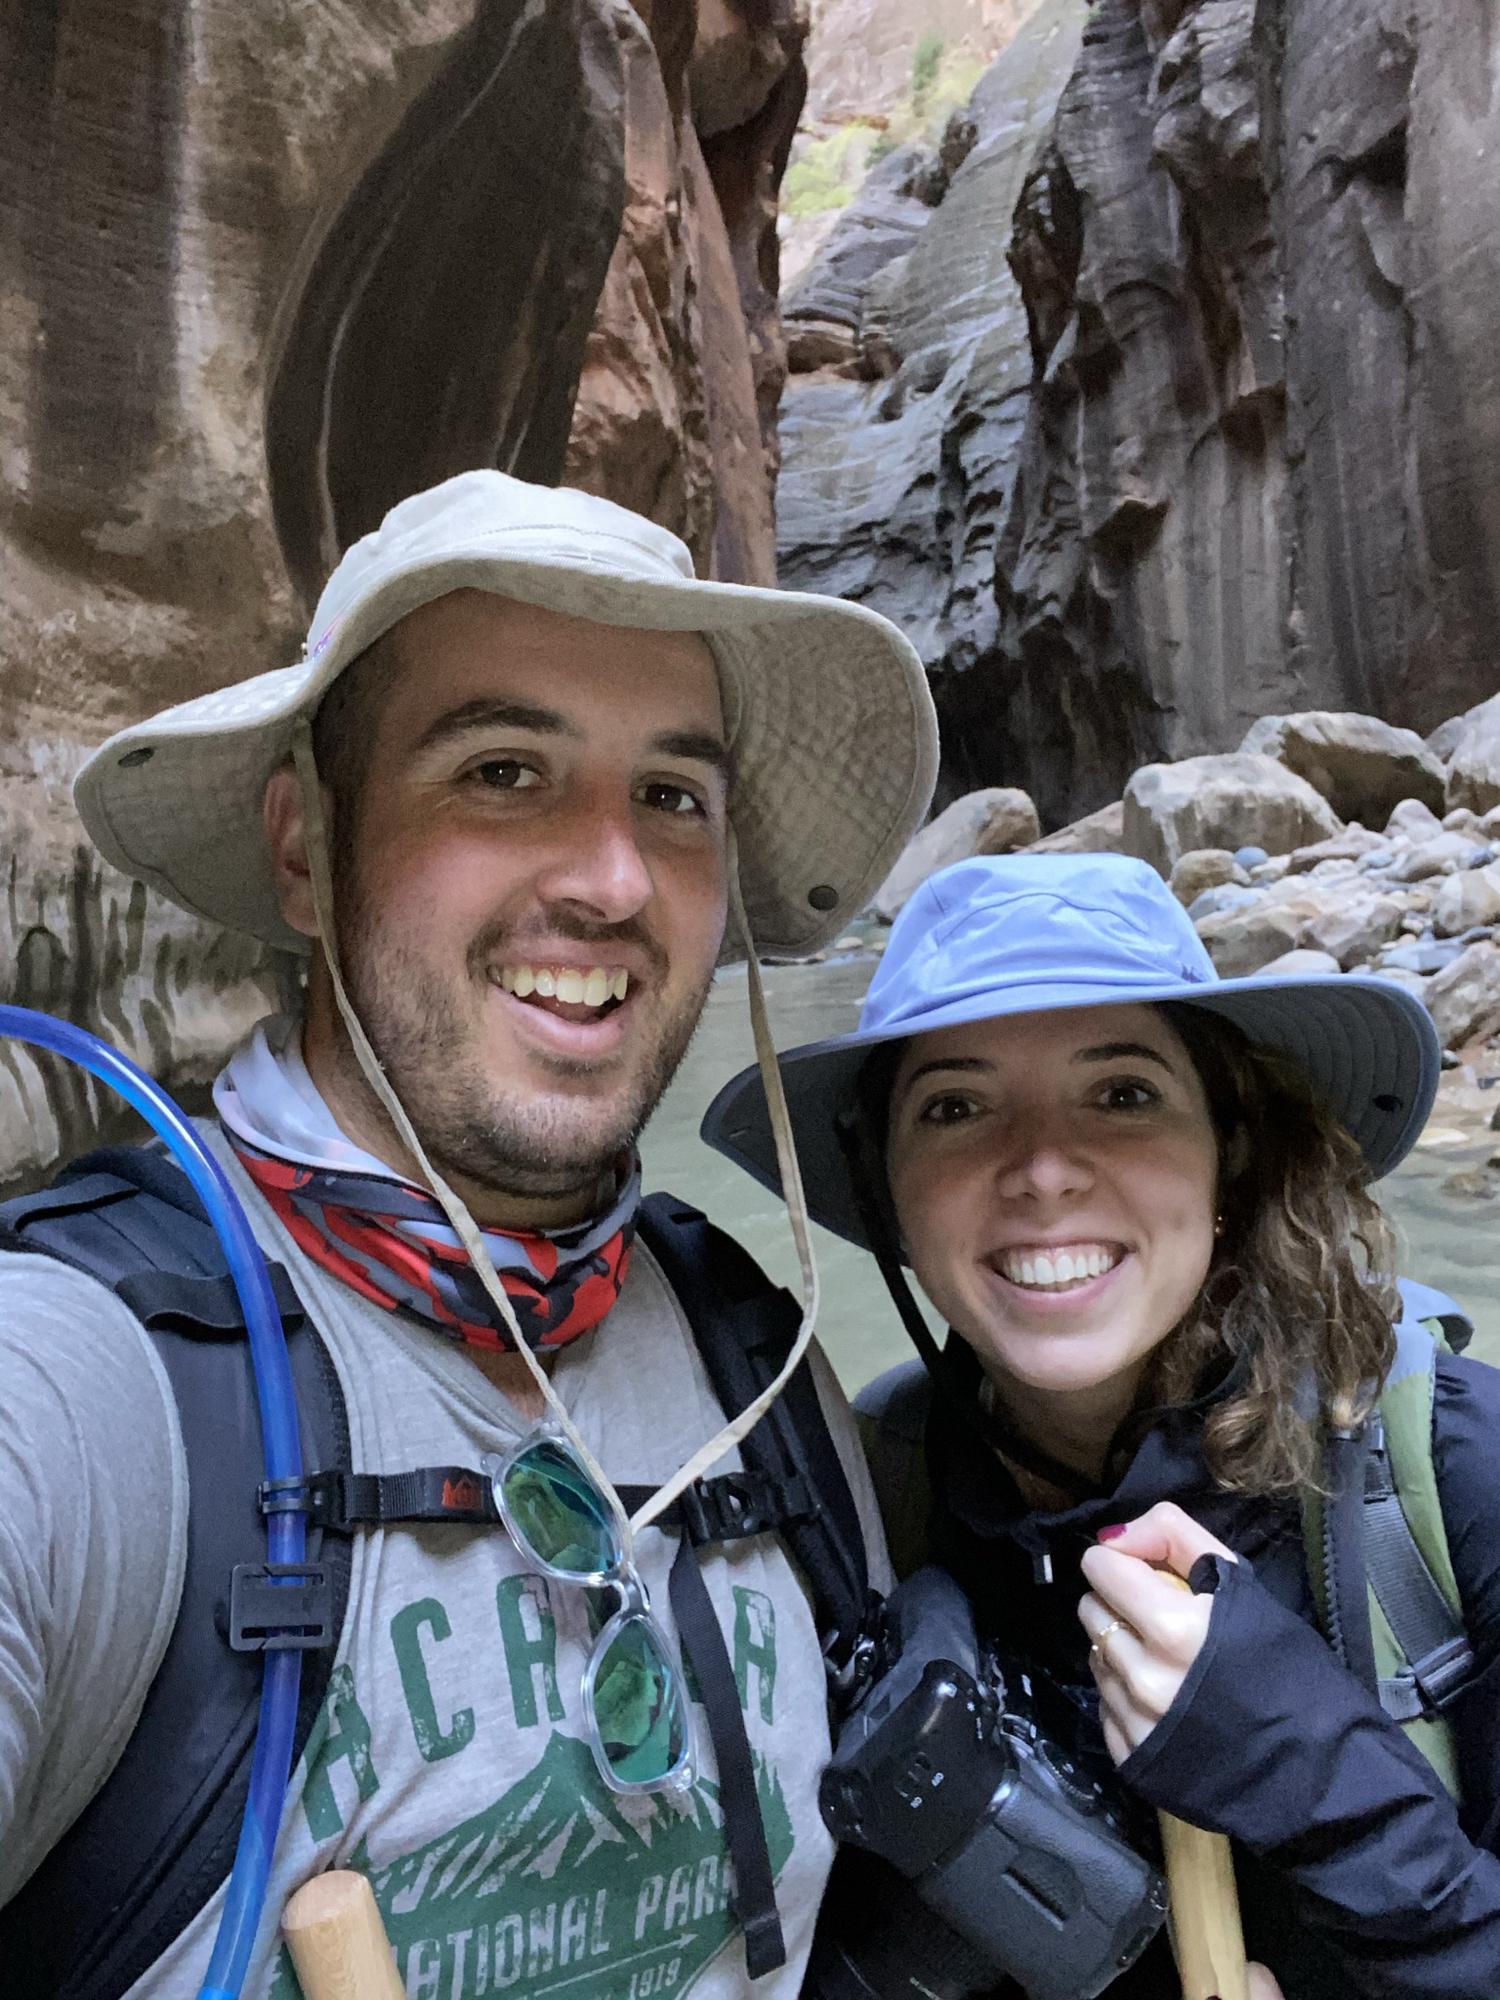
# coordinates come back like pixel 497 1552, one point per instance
pixel 1108 1534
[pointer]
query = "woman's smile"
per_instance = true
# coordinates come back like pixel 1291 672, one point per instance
pixel 1056 1269
pixel 1055 1177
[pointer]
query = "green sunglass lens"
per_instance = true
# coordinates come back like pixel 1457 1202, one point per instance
pixel 639 1708
pixel 556 1510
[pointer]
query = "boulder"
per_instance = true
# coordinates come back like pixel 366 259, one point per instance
pixel 1363 767
pixel 1205 868
pixel 1444 739
pixel 1353 926
pixel 1352 844
pixel 989 822
pixel 1422 956
pixel 1223 896
pixel 1241 941
pixel 1411 820
pixel 1465 900
pixel 1474 766
pixel 1250 857
pixel 1398 975
pixel 1462 819
pixel 1170 809
pixel 1444 854
pixel 1101 832
pixel 1298 964
pixel 1274 868
pixel 1464 999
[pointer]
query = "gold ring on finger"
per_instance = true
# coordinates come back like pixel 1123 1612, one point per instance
pixel 1114 1625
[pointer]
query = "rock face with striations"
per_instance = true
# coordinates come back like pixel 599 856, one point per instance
pixel 894 483
pixel 269 270
pixel 1251 466
pixel 1255 257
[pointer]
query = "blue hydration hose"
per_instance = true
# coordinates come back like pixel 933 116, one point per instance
pixel 286 1533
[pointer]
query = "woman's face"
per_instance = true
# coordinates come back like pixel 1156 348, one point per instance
pixel 1054 1175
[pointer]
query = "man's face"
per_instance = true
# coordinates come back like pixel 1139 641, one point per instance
pixel 531 884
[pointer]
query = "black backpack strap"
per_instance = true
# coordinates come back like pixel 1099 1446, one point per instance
pixel 744 1327
pixel 158 1839
pixel 792 1481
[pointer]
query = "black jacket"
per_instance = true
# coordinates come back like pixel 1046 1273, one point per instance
pixel 1357 1874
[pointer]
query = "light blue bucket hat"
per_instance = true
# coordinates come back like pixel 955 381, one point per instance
pixel 1022 933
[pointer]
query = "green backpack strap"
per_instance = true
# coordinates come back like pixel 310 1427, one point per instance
pixel 1422 1653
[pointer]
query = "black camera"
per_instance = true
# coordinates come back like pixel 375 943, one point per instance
pixel 998 1853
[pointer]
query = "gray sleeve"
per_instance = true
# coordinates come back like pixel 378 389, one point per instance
pixel 841 1427
pixel 93 1539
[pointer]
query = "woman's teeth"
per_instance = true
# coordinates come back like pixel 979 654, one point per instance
pixel 1050 1270
pixel 565 983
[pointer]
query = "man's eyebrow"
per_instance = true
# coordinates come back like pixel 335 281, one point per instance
pixel 696 745
pixel 486 712
pixel 1122 1052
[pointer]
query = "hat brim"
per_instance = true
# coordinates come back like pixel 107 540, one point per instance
pixel 1366 1046
pixel 831 727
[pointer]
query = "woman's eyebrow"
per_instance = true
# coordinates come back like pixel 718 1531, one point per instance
pixel 1120 1052
pixel 943 1062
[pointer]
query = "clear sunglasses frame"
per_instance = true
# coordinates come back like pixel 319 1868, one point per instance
pixel 619 1575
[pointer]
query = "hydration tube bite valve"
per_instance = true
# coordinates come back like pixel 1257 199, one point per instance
pixel 286 1535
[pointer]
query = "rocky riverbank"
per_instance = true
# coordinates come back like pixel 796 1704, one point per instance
pixel 1328 843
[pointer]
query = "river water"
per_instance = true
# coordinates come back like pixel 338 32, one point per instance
pixel 1448 1240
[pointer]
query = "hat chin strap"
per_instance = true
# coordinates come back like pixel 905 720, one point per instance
pixel 316 837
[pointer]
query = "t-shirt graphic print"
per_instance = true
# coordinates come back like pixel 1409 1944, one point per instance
pixel 558 1886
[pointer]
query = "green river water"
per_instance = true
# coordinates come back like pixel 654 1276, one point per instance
pixel 1448 1240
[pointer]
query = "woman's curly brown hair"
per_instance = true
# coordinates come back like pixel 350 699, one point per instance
pixel 1301 1294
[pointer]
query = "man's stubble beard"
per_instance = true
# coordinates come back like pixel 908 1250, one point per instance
pixel 506 1142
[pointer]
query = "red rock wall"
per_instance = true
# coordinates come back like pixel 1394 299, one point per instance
pixel 267 270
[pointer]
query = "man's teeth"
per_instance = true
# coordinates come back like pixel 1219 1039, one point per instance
pixel 1050 1268
pixel 566 983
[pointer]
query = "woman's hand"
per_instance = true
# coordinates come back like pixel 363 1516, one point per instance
pixel 1144 1630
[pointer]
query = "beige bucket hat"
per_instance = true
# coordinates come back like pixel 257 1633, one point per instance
pixel 830 722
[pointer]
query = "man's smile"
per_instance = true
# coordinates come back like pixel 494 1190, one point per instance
pixel 575 988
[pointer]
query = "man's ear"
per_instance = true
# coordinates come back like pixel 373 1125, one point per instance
pixel 286 842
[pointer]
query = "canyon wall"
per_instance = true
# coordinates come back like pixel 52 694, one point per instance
pixel 264 271
pixel 1238 457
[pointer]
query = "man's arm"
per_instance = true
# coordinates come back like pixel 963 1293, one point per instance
pixel 93 1536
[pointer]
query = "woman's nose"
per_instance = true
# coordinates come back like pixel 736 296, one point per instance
pixel 1041 1162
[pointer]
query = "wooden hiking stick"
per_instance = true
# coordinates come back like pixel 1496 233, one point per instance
pixel 1206 1937
pixel 337 1941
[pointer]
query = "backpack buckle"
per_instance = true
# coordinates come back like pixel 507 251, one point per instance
pixel 1445 1672
pixel 280 1607
pixel 737 1504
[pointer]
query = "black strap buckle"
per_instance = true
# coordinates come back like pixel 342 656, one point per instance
pixel 280 1607
pixel 1442 1674
pixel 737 1504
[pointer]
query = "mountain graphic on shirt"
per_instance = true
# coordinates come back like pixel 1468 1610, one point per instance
pixel 561 1887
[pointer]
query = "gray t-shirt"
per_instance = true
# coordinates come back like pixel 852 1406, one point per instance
pixel 449 1761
